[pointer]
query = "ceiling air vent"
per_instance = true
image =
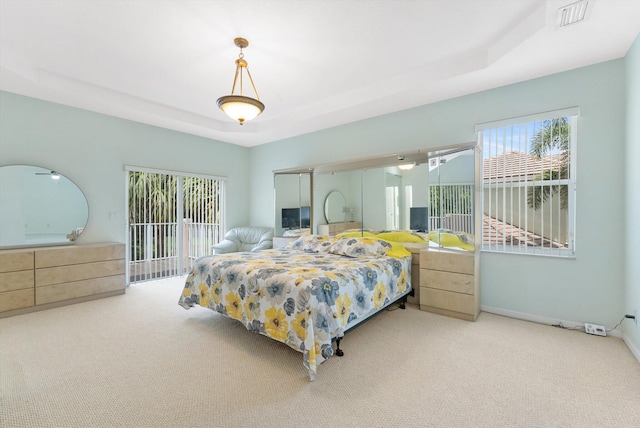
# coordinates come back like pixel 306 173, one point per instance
pixel 572 13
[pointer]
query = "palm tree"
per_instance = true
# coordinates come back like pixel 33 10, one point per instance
pixel 152 200
pixel 554 134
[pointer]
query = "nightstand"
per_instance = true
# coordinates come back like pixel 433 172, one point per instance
pixel 450 283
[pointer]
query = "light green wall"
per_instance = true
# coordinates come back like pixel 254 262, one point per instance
pixel 91 150
pixel 632 229
pixel 589 288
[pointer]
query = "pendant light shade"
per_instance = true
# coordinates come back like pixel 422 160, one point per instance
pixel 238 106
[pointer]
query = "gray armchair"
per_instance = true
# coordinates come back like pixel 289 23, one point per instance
pixel 245 239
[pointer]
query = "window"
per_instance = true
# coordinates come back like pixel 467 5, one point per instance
pixel 528 184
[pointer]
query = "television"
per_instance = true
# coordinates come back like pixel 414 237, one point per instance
pixel 305 217
pixel 291 218
pixel 419 219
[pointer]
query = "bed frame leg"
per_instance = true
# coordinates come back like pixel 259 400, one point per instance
pixel 402 303
pixel 339 352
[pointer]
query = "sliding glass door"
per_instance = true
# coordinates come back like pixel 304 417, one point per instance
pixel 173 218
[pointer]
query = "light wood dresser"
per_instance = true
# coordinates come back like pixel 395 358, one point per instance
pixel 332 229
pixel 16 279
pixel 46 277
pixel 450 283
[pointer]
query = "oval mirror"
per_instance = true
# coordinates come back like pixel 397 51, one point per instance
pixel 39 207
pixel 335 207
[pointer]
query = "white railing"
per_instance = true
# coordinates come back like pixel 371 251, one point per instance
pixel 451 207
pixel 154 247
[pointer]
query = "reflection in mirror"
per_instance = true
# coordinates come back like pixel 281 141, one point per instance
pixel 293 203
pixel 407 197
pixel 390 195
pixel 39 207
pixel 452 189
pixel 393 199
pixel 335 207
pixel 380 195
pixel 349 185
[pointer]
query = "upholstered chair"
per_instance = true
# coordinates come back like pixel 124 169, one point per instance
pixel 245 239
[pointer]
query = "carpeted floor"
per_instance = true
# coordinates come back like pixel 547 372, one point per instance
pixel 140 360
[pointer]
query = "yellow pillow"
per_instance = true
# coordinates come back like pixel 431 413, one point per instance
pixel 446 239
pixel 401 236
pixel 397 250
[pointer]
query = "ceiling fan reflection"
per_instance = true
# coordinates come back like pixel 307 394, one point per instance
pixel 54 175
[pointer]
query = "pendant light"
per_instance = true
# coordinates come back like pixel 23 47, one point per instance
pixel 240 107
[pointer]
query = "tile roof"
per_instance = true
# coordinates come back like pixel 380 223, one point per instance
pixel 518 165
pixel 498 232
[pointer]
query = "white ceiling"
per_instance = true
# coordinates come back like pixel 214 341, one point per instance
pixel 315 64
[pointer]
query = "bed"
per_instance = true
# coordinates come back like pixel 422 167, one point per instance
pixel 306 295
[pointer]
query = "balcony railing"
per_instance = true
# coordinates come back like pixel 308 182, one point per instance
pixel 154 247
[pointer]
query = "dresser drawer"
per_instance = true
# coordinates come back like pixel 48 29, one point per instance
pixel 11 281
pixel 448 261
pixel 16 260
pixel 58 275
pixel 456 302
pixel 448 281
pixel 19 299
pixel 80 254
pixel 72 290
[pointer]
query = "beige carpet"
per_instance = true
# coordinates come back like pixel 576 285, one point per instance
pixel 140 360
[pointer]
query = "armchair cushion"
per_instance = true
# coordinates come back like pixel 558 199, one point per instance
pixel 245 239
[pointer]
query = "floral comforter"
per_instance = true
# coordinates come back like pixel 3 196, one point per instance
pixel 298 298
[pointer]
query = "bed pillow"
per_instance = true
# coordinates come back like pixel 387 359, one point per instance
pixel 312 243
pixel 401 236
pixel 450 238
pixel 359 247
pixel 398 250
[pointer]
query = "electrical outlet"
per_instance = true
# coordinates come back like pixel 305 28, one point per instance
pixel 598 330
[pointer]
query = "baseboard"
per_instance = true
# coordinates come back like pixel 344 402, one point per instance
pixel 543 320
pixel 632 347
pixel 37 308
pixel 551 321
